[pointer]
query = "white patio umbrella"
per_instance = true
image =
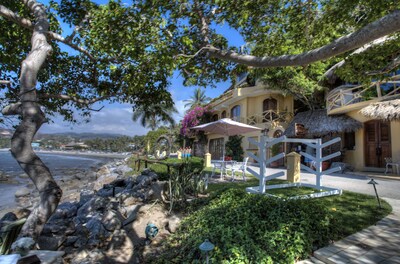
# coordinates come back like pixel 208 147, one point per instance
pixel 226 127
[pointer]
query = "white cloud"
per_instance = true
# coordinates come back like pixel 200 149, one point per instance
pixel 113 119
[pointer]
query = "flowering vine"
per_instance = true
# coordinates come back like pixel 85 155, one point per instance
pixel 196 116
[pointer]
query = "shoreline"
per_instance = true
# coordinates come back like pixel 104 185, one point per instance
pixel 113 155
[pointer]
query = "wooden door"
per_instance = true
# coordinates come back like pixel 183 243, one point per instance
pixel 377 143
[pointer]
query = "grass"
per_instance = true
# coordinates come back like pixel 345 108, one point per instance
pixel 353 211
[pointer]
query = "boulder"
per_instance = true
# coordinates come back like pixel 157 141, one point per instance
pixel 50 242
pixel 105 179
pixel 132 215
pixel 95 205
pixel 89 257
pixel 22 192
pixel 85 196
pixel 97 233
pixel 173 223
pixel 111 221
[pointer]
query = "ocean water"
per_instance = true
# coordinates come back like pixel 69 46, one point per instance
pixel 55 162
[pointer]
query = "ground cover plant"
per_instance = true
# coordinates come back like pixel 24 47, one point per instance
pixel 248 228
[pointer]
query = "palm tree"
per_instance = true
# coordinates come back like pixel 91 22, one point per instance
pixel 197 99
pixel 154 115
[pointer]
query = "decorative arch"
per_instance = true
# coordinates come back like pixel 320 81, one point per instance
pixel 223 114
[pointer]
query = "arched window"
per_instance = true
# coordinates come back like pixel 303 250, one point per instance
pixel 235 113
pixel 223 115
pixel 270 107
pixel 214 117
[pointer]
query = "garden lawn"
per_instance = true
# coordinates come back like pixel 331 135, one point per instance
pixel 250 228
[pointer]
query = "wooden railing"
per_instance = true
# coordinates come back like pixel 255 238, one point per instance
pixel 269 116
pixel 351 94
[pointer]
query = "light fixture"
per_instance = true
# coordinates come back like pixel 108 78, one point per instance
pixel 373 182
pixel 206 247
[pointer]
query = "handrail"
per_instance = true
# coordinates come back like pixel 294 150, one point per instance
pixel 345 96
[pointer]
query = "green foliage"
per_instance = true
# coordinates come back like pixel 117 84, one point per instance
pixel 153 115
pixel 5 143
pixel 152 136
pixel 162 171
pixel 120 144
pixel 275 149
pixel 252 229
pixel 183 182
pixel 198 98
pixel 233 147
pixel 247 228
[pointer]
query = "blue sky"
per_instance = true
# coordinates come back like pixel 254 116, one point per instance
pixel 116 118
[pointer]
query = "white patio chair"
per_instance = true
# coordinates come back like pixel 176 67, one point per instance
pixel 239 166
pixel 217 164
pixel 394 165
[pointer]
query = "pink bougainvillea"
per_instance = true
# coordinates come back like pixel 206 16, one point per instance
pixel 196 116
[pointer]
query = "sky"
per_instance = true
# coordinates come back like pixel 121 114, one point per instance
pixel 117 118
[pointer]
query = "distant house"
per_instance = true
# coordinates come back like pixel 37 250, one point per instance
pixel 76 146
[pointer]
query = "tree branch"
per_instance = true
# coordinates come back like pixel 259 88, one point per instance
pixel 4 82
pixel 384 26
pixel 329 74
pixel 10 15
pixel 73 98
pixel 12 109
pixel 203 23
pixel 26 23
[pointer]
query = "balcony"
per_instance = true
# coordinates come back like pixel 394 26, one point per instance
pixel 347 98
pixel 266 117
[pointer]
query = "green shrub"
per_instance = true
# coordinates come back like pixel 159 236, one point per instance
pixel 233 148
pixel 251 229
pixel 162 170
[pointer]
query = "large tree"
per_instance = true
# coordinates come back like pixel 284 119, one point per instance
pixel 126 53
pixel 154 115
pixel 116 53
pixel 290 43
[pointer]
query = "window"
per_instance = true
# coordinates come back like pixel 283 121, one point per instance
pixel 235 113
pixel 223 115
pixel 349 140
pixel 214 117
pixel 270 107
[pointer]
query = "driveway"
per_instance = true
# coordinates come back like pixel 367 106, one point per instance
pixel 387 188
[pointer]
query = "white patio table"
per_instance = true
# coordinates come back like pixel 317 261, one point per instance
pixel 221 165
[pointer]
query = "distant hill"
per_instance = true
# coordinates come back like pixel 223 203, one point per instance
pixel 80 136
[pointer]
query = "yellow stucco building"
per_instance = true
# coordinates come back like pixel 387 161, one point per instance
pixel 254 105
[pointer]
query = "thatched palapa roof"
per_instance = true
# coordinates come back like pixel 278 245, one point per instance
pixel 385 110
pixel 318 123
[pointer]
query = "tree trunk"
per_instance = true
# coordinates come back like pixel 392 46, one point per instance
pixel 32 118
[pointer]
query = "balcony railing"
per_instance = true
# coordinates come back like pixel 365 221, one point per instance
pixel 350 94
pixel 269 116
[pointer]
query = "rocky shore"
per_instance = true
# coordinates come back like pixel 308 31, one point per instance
pixel 103 215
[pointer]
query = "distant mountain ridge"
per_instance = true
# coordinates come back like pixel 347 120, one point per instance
pixel 81 136
pixel 7 133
